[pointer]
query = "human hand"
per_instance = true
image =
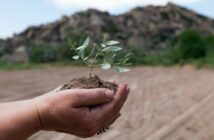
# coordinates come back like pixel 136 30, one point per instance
pixel 81 112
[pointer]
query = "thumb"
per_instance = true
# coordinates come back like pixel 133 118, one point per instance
pixel 89 97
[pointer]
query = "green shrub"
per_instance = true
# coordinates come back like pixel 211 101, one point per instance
pixel 151 60
pixel 190 46
pixel 44 52
pixel 209 59
pixel 50 52
pixel 209 45
pixel 36 54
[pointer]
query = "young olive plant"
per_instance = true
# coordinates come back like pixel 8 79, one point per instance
pixel 102 55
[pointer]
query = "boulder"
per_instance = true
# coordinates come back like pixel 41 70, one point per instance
pixel 20 55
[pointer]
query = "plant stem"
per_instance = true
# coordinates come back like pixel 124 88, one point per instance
pixel 90 71
pixel 92 65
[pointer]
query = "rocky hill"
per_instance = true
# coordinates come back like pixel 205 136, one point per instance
pixel 151 26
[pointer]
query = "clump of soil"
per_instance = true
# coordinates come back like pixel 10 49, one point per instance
pixel 89 83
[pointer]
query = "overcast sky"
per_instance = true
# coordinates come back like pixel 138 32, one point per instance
pixel 17 15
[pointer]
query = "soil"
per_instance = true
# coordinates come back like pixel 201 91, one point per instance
pixel 89 83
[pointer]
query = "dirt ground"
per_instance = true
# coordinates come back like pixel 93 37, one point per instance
pixel 164 103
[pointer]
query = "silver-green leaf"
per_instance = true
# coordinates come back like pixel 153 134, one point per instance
pixel 120 69
pixel 76 57
pixel 82 53
pixel 103 45
pixel 112 42
pixel 86 42
pixel 112 49
pixel 106 66
pixel 81 48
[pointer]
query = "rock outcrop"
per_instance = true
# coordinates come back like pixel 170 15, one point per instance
pixel 151 26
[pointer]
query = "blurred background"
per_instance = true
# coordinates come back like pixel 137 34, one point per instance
pixel 172 74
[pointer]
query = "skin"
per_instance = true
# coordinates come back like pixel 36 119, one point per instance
pixel 80 112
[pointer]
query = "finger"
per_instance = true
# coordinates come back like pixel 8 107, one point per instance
pixel 108 110
pixel 89 97
pixel 120 97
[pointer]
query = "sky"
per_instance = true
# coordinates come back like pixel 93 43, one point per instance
pixel 17 15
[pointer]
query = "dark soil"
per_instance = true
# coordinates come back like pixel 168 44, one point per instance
pixel 89 83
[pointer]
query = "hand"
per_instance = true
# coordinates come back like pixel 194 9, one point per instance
pixel 81 112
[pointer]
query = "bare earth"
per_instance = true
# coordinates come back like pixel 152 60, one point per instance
pixel 164 103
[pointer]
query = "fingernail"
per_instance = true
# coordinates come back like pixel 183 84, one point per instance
pixel 109 94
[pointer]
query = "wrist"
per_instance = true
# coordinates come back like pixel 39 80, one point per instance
pixel 42 105
pixel 30 117
pixel 36 110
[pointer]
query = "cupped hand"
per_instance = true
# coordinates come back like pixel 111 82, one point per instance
pixel 81 112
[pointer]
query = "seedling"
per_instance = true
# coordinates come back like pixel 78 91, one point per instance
pixel 104 55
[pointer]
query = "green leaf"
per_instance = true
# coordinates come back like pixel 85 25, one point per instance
pixel 120 69
pixel 112 49
pixel 112 42
pixel 91 53
pixel 82 53
pixel 76 57
pixel 103 45
pixel 71 43
pixel 128 64
pixel 86 42
pixel 106 66
pixel 125 59
pixel 128 55
pixel 109 57
pixel 81 47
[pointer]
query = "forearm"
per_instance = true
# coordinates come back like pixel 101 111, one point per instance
pixel 18 120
